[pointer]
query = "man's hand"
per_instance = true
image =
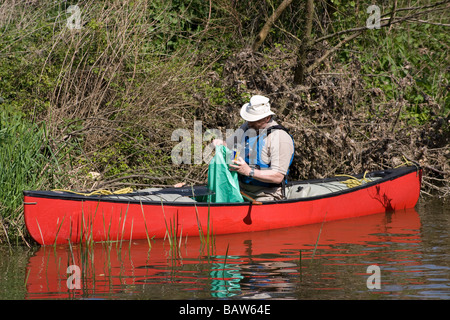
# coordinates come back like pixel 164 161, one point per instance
pixel 240 166
pixel 218 142
pixel 270 176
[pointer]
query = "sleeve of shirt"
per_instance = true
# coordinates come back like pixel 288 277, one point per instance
pixel 281 151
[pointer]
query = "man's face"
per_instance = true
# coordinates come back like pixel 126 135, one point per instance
pixel 260 124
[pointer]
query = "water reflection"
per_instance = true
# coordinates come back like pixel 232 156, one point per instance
pixel 309 262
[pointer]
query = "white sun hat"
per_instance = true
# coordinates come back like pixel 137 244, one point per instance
pixel 256 109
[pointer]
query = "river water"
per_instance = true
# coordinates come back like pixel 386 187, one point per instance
pixel 388 256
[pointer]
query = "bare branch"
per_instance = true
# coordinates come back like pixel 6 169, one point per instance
pixel 327 54
pixel 430 22
pixel 266 28
pixel 394 7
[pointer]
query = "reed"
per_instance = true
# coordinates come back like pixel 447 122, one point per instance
pixel 300 265
pixel 210 238
pixel 131 235
pixel 318 237
pixel 207 241
pixel 6 235
pixel 108 234
pixel 25 283
pixel 225 263
pixel 27 161
pixel 172 233
pixel 145 225
pixel 87 227
pixel 40 232
pixel 123 226
pixel 59 229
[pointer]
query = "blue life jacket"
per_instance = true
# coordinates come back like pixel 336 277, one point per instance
pixel 257 142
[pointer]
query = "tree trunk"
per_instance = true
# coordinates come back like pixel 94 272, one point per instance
pixel 300 70
pixel 266 28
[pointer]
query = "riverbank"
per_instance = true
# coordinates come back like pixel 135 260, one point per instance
pixel 96 105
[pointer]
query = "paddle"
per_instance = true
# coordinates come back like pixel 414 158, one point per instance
pixel 188 191
pixel 250 198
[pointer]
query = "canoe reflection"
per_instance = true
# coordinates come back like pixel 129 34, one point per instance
pixel 260 265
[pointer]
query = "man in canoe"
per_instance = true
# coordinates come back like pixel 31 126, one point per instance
pixel 267 151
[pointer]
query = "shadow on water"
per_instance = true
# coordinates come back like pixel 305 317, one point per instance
pixel 290 263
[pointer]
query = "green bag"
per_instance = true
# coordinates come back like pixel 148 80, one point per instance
pixel 223 182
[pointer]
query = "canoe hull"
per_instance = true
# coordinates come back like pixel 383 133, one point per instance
pixel 54 218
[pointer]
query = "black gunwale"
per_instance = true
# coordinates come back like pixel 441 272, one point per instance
pixel 385 175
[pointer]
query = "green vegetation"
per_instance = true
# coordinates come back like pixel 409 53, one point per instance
pixel 27 162
pixel 106 97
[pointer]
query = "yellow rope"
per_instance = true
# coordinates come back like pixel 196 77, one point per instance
pixel 98 192
pixel 406 162
pixel 353 182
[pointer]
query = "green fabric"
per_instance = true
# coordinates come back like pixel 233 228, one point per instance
pixel 221 180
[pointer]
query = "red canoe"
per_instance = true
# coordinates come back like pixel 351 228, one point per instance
pixel 62 217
